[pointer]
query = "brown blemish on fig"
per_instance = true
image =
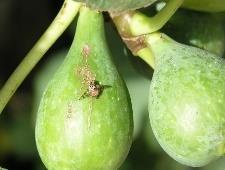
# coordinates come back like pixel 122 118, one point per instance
pixel 84 71
pixel 86 75
pixel 88 79
pixel 86 51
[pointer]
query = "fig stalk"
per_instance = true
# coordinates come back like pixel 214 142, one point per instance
pixel 133 26
pixel 65 16
pixel 140 24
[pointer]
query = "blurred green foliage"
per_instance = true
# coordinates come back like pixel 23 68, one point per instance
pixel 202 30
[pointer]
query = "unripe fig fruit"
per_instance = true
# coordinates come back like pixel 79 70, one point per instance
pixel 116 5
pixel 84 119
pixel 186 101
pixel 205 5
pixel 198 29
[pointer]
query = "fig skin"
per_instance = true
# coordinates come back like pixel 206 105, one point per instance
pixel 186 101
pixel 116 6
pixel 91 132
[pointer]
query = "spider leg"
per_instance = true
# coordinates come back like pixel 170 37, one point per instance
pixel 106 86
pixel 84 95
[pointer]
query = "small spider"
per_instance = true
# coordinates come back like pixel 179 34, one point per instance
pixel 95 89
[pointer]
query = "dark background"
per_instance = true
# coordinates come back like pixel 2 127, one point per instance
pixel 21 24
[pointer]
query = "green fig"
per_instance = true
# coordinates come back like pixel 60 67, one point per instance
pixel 186 101
pixel 118 5
pixel 205 5
pixel 202 30
pixel 84 120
